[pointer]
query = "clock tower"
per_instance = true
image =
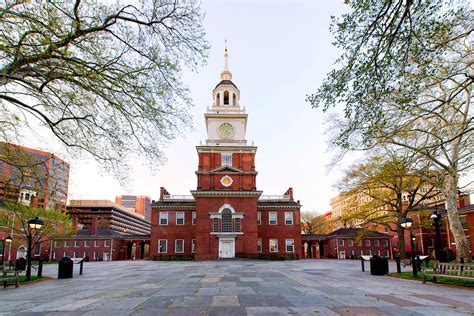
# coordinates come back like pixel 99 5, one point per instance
pixel 226 178
pixel 225 216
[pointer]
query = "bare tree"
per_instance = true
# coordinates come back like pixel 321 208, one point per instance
pixel 405 78
pixel 103 78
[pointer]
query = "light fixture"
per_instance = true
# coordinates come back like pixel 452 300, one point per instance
pixel 35 223
pixel 406 223
pixel 8 239
pixel 435 216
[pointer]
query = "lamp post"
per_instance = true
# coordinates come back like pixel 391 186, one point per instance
pixel 34 225
pixel 407 223
pixel 436 217
pixel 5 240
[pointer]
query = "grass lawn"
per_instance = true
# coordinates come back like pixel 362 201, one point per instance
pixel 409 275
pixel 33 279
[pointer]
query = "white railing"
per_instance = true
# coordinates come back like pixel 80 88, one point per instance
pixel 275 197
pixel 178 197
pixel 225 109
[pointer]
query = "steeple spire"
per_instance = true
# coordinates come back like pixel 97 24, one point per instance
pixel 225 56
pixel 226 74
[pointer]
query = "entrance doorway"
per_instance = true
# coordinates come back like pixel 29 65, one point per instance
pixel 226 248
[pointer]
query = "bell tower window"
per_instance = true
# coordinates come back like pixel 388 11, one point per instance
pixel 218 99
pixel 226 97
pixel 234 99
pixel 226 159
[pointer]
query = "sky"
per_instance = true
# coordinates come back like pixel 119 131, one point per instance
pixel 279 51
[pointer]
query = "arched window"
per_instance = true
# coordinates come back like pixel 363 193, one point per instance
pixel 226 221
pixel 234 99
pixel 226 97
pixel 218 99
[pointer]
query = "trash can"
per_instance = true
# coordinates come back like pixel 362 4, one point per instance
pixel 65 268
pixel 20 264
pixel 378 266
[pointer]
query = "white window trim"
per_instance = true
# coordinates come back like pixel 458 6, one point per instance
pixel 291 213
pixel 376 243
pixel 270 245
pixel 193 218
pixel 193 246
pixel 107 243
pixel 166 245
pixel 292 241
pixel 269 218
pixel 259 218
pixel 176 246
pixel 339 243
pixel 86 243
pixel 176 219
pixel 223 159
pixel 351 243
pixel 77 243
pixel 160 218
pixel 259 242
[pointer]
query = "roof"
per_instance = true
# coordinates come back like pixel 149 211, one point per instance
pixel 355 232
pixel 314 236
pixel 101 232
pixel 228 82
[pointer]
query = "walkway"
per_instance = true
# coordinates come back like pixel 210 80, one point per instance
pixel 306 287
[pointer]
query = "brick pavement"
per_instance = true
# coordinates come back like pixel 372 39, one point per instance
pixel 305 287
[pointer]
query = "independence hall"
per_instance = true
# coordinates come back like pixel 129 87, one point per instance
pixel 226 216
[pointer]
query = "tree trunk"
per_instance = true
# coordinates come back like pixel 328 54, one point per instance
pixel 462 245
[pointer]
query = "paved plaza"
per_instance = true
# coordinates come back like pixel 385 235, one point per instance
pixel 305 287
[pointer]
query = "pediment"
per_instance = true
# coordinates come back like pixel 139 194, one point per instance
pixel 225 169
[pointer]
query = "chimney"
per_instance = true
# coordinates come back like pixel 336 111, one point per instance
pixel 94 226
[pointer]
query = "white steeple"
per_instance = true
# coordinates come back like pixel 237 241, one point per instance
pixel 226 122
pixel 226 74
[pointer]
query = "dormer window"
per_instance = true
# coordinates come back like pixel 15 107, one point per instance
pixel 226 97
pixel 226 159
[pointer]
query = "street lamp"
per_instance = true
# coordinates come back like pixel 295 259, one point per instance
pixel 407 223
pixel 34 225
pixel 5 240
pixel 436 217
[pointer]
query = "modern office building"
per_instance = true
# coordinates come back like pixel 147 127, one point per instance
pixel 226 216
pixel 109 215
pixel 33 176
pixel 140 204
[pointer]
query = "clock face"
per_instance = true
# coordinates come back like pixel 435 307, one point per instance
pixel 226 130
pixel 226 181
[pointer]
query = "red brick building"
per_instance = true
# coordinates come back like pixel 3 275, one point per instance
pixel 226 216
pixel 106 231
pixel 348 243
